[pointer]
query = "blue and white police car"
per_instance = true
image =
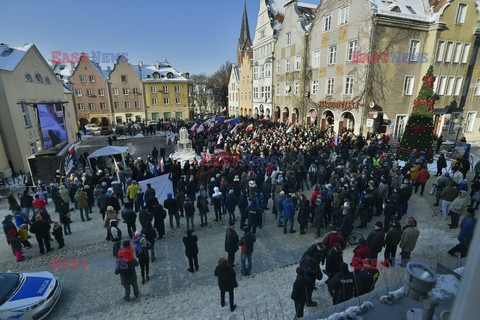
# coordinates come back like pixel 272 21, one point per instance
pixel 28 295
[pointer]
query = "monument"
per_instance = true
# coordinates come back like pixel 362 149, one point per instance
pixel 184 150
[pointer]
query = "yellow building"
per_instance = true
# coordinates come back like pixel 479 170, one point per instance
pixel 166 91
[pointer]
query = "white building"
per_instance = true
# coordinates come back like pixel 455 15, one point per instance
pixel 233 88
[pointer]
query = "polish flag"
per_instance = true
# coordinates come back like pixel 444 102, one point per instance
pixel 194 127
pixel 290 128
pixel 162 166
pixel 200 128
pixel 250 127
pixel 234 130
pixel 220 138
pixel 224 109
pixel 255 136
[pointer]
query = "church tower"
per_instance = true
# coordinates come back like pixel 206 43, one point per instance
pixel 244 42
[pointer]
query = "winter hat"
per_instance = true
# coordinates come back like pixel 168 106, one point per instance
pixel 252 184
pixel 396 223
pixel 109 208
pixel 104 184
pixel 379 224
pixel 236 178
pixel 169 196
pixel 212 179
pixel 231 223
pixel 410 221
pixel 230 192
pixel 126 243
pixel 189 232
pixel 55 223
pixel 8 217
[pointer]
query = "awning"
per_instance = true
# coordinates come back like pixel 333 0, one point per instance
pixel 107 151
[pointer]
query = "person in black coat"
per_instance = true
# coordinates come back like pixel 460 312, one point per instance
pixel 129 217
pixel 189 211
pixel 365 278
pixel 159 214
pixel 227 281
pixel 144 217
pixel 231 243
pixel 375 240
pixel 342 285
pixel 392 239
pixel 389 211
pixel 41 230
pixel 150 235
pixel 345 222
pixel 299 292
pixel 333 261
pixel 312 272
pixel 303 213
pixel 191 250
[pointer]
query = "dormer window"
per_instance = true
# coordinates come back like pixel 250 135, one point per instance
pixel 156 75
pixel 396 9
pixel 47 80
pixel 28 77
pixel 38 77
pixel 169 75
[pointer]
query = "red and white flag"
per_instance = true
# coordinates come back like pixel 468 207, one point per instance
pixel 220 138
pixel 200 128
pixel 255 136
pixel 194 127
pixel 249 128
pixel 224 109
pixel 162 165
pixel 234 130
pixel 290 128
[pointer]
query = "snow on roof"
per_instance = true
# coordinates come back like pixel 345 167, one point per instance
pixel 277 6
pixel 306 14
pixel 10 57
pixel 406 9
pixel 62 70
pixel 160 71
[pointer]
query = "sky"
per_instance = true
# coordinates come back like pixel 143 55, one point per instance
pixel 195 36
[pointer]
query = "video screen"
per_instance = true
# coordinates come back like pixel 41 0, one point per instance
pixel 52 124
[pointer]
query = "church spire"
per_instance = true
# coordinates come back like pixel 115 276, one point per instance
pixel 244 42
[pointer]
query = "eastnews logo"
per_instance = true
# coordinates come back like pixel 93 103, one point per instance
pixel 233 161
pixel 396 57
pixel 97 56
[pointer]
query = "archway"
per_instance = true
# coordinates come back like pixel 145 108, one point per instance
pixel 267 114
pixel 328 119
pixel 285 115
pixel 312 117
pixel 347 122
pixel 295 115
pixel 255 114
pixel 276 114
pixel 261 111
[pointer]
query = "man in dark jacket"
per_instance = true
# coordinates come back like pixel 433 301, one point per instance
pixel 365 277
pixel 41 228
pixel 189 211
pixel 143 217
pixel 231 204
pixel 345 222
pixel 375 240
pixel 191 250
pixel 465 235
pixel 26 203
pixel 333 261
pixel 254 215
pixel 231 243
pixel 159 214
pixel 102 203
pixel 172 206
pixel 150 192
pixel 319 215
pixel 392 240
pixel 128 275
pixel 342 285
pixel 299 292
pixel 389 212
pixel 311 268
pixel 246 244
pixel 129 217
pixel 150 235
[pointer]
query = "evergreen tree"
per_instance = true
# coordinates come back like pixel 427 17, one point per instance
pixel 419 130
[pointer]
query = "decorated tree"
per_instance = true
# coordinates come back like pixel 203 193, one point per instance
pixel 418 133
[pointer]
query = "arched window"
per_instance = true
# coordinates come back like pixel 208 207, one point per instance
pixel 28 77
pixel 38 77
pixel 47 80
pixel 156 75
pixel 169 75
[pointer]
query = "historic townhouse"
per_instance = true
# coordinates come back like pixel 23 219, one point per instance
pixel 91 97
pixel 291 53
pixel 244 58
pixel 126 92
pixel 166 92
pixel 233 88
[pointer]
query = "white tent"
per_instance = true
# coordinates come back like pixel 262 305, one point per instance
pixel 108 151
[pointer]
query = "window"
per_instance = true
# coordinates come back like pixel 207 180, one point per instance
pixel 440 51
pixel 255 92
pixel 450 82
pixel 135 91
pixel 466 51
pixel 127 104
pixel 91 78
pixel 178 101
pixel 297 88
pixel 413 52
pixel 327 22
pixel 154 101
pixel 470 121
pixel 153 89
pixel 343 14
pixel 441 85
pixel 166 101
pixel 262 92
pixel 115 91
pixel 453 123
pixel 316 59
pixel 91 106
pixel 101 92
pixel 89 93
pixel 262 33
pixel 458 86
pixel 33 147
pixel 298 61
pixel 116 105
pixel 103 105
pixel 279 67
pixel 255 73
pixel 476 92
pixel 408 85
pixel 411 10
pixel 289 38
pixel 330 86
pixel 83 79
pixel 47 80
pixel 287 65
pixel 448 51
pixel 126 91
pixel 78 92
pixel 314 87
pixel 352 47
pixel 277 89
pixel 38 77
pixel 80 106
pixel 287 88
pixel 268 70
pixel 267 92
pixel 261 73
pixel 26 116
pixel 137 104
pixel 457 52
pixel 177 89
pixel 332 55
pixel 124 78
pixel 400 123
pixel 348 86
pixel 435 85
pixel 461 13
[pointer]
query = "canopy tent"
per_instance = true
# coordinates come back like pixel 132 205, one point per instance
pixel 109 151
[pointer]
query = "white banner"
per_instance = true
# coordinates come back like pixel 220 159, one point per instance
pixel 162 186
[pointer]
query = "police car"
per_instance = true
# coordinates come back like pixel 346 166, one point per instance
pixel 28 295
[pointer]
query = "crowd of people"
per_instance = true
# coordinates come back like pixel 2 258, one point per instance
pixel 351 178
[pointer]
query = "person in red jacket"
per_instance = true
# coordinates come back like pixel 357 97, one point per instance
pixel 361 252
pixel 333 238
pixel 315 194
pixel 422 178
pixel 39 203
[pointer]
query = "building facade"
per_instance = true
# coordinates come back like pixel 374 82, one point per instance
pixel 126 93
pixel 166 92
pixel 91 96
pixel 233 89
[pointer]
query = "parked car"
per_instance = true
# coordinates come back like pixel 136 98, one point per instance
pixel 105 131
pixel 92 128
pixel 152 123
pixel 29 295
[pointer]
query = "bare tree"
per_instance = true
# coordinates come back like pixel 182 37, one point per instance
pixel 218 84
